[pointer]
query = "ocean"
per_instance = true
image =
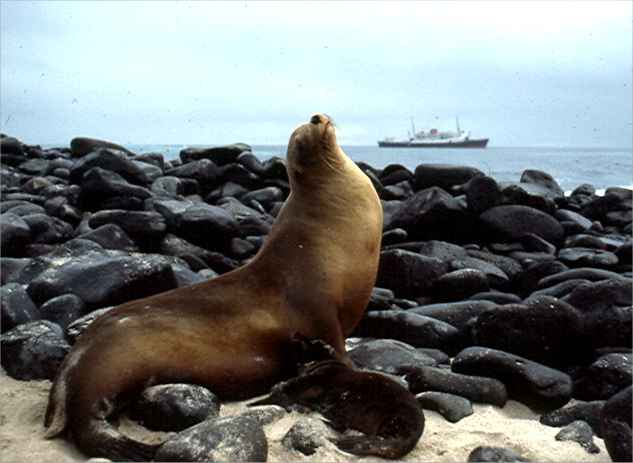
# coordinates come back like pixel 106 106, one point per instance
pixel 571 167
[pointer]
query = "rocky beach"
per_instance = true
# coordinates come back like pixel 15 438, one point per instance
pixel 505 307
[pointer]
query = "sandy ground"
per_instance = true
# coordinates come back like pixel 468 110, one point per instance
pixel 22 406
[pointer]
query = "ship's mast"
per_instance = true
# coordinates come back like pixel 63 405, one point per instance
pixel 413 128
pixel 457 123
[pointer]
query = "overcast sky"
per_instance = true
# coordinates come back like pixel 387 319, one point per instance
pixel 523 74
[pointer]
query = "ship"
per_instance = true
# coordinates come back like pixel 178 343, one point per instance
pixel 434 138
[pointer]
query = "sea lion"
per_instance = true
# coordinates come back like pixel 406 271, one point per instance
pixel 386 413
pixel 313 275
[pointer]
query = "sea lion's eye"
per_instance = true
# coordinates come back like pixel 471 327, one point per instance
pixel 316 119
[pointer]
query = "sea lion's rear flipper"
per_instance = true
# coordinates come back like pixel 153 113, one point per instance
pixel 392 448
pixel 100 438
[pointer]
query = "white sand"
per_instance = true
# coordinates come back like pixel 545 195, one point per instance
pixel 22 406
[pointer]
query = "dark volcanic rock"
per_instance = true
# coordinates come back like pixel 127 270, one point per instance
pixel 605 377
pixel 531 383
pixel 220 155
pixel 560 290
pixel 233 438
pixel 175 246
pixel 433 213
pixel 494 454
pixel 205 172
pixel 460 284
pixel 495 277
pixel 76 328
pixel 529 195
pixel 591 274
pixel 589 412
pixel 482 193
pixel 33 350
pixel 174 407
pixel 388 356
pixel 458 314
pixel 265 196
pixel 11 268
pixel 544 329
pixel 587 257
pixel 411 328
pixel 408 274
pixel 16 234
pixel 580 432
pixel 48 230
pixel 110 236
pixel 497 297
pixel 250 221
pixel 616 425
pixel 115 161
pixel 475 388
pixel 171 187
pixel 143 227
pixel 600 295
pixel 99 184
pixel 450 406
pixel 80 146
pixel 63 310
pixel 104 278
pixel 544 180
pixel 565 215
pixel 444 176
pixel 512 222
pixel 16 306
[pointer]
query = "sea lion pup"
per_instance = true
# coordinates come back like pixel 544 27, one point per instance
pixel 384 411
pixel 314 275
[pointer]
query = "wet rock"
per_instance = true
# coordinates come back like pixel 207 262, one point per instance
pixel 60 207
pixel 495 277
pixel 444 176
pixel 588 412
pixel 432 213
pixel 381 299
pixel 220 155
pixel 48 230
pixel 241 249
pixel 441 250
pixel 482 193
pixel 99 184
pixel 174 407
pixel 120 278
pixel 543 329
pixel 35 167
pixel 250 221
pixel 33 350
pixel 233 438
pixel 151 171
pixel 76 328
pixel 395 236
pixel 80 146
pixel 107 159
pixel 587 257
pixel 580 432
pixel 616 425
pixel 605 377
pixel 591 274
pixel 63 310
pixel 411 328
pixel 600 295
pixel 560 290
pixel 512 222
pixel 239 174
pixel 460 284
pixel 458 314
pixel 11 268
pixel 408 274
pixel 475 388
pixel 497 297
pixel 534 243
pixel 110 236
pixel 389 356
pixel 265 414
pixel 36 185
pixel 452 407
pixel 578 220
pixel 544 180
pixel 304 437
pixel 145 228
pixel 510 267
pixel 251 162
pixel 265 196
pixel 175 246
pixel 16 306
pixel 494 454
pixel 16 234
pixel 168 186
pixel 528 382
pixel 26 208
pixel 205 172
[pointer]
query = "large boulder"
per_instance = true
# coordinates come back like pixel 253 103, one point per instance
pixel 115 161
pixel 220 155
pixel 511 223
pixel 617 422
pixel 80 146
pixel 407 273
pixel 444 176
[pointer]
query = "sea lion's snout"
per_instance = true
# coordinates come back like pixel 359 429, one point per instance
pixel 318 119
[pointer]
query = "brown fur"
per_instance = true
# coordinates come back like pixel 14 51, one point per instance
pixel 314 275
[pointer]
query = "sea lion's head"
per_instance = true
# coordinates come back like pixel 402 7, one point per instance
pixel 313 147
